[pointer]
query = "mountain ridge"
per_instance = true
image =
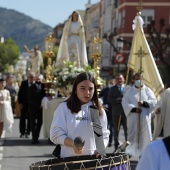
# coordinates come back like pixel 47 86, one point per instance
pixel 25 30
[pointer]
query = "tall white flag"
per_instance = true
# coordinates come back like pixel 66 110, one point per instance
pixel 150 72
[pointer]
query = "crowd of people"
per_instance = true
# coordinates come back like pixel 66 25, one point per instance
pixel 130 106
pixel 120 106
pixel 87 122
pixel 117 104
pixel 29 96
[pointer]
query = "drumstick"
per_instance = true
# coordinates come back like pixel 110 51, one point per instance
pixel 78 142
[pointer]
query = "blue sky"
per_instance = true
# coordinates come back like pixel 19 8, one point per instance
pixel 50 12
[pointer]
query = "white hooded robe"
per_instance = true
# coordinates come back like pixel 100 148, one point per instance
pixel 129 101
pixel 163 119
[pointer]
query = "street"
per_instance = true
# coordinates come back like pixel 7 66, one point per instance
pixel 18 153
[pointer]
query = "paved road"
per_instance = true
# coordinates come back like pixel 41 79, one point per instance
pixel 18 153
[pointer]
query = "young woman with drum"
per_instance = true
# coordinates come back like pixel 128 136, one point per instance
pixel 73 119
pixel 79 126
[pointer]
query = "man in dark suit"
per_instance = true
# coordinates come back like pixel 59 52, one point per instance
pixel 36 94
pixel 104 95
pixel 24 125
pixel 119 118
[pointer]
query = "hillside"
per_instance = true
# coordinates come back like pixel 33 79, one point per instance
pixel 22 29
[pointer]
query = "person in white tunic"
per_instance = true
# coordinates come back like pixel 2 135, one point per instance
pixel 73 45
pixel 6 114
pixel 163 115
pixel 154 157
pixel 72 118
pixel 36 60
pixel 133 107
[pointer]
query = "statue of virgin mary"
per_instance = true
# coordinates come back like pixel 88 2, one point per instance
pixel 73 45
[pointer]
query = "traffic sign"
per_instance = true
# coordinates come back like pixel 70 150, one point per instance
pixel 119 58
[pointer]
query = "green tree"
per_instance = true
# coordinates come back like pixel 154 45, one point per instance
pixel 9 54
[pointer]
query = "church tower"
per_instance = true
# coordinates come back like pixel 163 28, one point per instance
pixel 88 5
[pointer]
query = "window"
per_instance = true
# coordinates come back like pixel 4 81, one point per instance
pixel 119 20
pixel 149 18
pixel 123 18
pixel 147 15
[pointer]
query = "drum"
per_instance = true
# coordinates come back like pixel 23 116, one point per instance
pixel 110 162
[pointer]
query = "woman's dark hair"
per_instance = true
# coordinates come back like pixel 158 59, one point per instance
pixel 73 102
pixel 72 15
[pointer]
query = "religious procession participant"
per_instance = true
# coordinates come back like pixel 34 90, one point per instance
pixel 6 114
pixel 73 118
pixel 118 116
pixel 138 111
pixel 156 155
pixel 24 125
pixel 36 92
pixel 12 90
pixel 73 44
pixel 162 111
pixel 108 107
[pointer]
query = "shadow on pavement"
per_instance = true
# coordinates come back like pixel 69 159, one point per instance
pixel 25 142
pixel 32 156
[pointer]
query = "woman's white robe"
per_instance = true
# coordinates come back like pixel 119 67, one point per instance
pixel 73 44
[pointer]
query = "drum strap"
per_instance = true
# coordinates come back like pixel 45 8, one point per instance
pixel 56 151
pixel 166 141
pixel 97 130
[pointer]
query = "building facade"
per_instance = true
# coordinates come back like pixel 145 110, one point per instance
pixel 114 19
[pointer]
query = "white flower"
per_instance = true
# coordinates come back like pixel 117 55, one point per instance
pixel 65 69
pixel 60 73
pixel 74 75
pixel 65 76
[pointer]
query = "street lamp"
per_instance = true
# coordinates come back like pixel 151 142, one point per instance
pixel 96 52
pixel 49 53
pixel 120 43
pixel 124 42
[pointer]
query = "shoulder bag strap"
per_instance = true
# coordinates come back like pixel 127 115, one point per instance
pixel 97 128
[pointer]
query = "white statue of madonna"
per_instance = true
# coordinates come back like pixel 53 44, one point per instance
pixel 73 45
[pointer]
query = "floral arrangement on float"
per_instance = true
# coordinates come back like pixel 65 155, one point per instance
pixel 65 76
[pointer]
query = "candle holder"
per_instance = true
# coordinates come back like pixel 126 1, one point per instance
pixel 49 53
pixel 96 54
